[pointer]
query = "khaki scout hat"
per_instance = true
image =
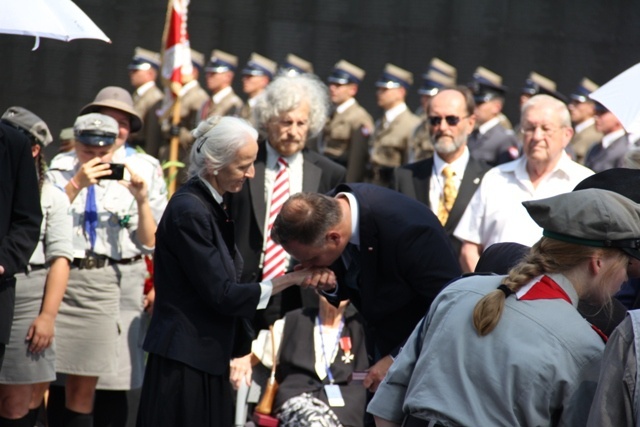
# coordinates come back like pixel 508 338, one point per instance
pixel 117 98
pixel 144 59
pixel 394 77
pixel 221 61
pixel 583 90
pixel 96 129
pixel 294 65
pixel 590 217
pixel 259 65
pixel 28 123
pixel 345 72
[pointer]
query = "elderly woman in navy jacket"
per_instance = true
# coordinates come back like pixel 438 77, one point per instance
pixel 199 311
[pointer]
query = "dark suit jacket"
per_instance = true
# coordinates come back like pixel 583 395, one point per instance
pixel 495 147
pixel 20 217
pixel 599 159
pixel 199 302
pixel 406 259
pixel 413 180
pixel 248 207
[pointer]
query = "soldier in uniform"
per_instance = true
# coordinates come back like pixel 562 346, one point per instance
pixel 537 84
pixel 256 75
pixel 346 134
pixel 490 141
pixel 583 111
pixel 390 141
pixel 220 72
pixel 192 97
pixel 294 65
pixel 143 71
pixel 438 76
pixel 610 151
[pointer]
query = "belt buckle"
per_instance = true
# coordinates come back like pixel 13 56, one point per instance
pixel 90 262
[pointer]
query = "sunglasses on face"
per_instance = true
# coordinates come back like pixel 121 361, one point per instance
pixel 451 120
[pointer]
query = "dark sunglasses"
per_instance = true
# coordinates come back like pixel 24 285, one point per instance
pixel 451 120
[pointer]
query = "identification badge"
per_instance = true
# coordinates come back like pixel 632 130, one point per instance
pixel 334 395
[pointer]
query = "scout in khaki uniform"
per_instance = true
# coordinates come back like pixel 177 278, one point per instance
pixel 583 111
pixel 256 75
pixel 220 72
pixel 143 71
pixel 346 135
pixel 438 76
pixel 390 141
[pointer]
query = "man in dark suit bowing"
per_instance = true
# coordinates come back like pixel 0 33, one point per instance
pixel 390 254
pixel 20 218
pixel 291 110
pixel 446 181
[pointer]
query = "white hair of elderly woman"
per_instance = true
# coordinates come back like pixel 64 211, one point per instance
pixel 218 139
pixel 286 93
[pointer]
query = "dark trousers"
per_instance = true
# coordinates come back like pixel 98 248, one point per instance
pixel 174 394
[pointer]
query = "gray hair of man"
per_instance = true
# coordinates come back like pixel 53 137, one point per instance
pixel 286 93
pixel 218 139
pixel 560 108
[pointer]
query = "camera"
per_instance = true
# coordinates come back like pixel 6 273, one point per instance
pixel 117 171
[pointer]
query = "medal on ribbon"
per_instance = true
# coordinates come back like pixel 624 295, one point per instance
pixel 345 345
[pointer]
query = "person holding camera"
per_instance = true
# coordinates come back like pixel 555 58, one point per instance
pixel 113 226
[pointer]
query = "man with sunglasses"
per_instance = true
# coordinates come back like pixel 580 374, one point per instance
pixel 495 213
pixel 445 182
pixel 491 141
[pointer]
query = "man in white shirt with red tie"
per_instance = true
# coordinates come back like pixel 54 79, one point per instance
pixel 290 111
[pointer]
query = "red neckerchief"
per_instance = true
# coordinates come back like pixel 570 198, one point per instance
pixel 547 288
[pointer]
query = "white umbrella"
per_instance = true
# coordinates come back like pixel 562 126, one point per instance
pixel 54 19
pixel 621 96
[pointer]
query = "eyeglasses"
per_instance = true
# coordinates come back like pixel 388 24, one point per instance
pixel 451 120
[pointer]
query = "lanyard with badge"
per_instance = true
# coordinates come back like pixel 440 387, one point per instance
pixel 334 395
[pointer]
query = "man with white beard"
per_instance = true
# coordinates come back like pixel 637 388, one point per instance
pixel 446 182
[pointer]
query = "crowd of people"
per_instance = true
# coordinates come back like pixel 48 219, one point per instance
pixel 309 239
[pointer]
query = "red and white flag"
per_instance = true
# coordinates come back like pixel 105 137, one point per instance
pixel 176 52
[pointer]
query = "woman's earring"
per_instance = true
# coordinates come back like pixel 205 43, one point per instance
pixel 215 172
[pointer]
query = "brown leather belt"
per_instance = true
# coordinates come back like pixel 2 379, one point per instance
pixel 99 261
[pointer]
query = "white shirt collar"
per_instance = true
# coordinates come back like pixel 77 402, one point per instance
pixel 273 156
pixel 609 138
pixel 585 124
pixel 187 87
pixel 346 104
pixel 458 165
pixel 394 112
pixel 220 95
pixel 145 87
pixel 355 225
pixel 485 127
pixel 214 193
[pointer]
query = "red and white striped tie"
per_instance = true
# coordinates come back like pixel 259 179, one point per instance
pixel 274 256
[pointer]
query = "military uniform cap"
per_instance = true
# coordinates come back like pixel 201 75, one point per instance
pixel 221 61
pixel 537 84
pixel 28 123
pixel 259 65
pixel 117 98
pixel 144 59
pixel 394 77
pixel 66 134
pixel 438 76
pixel 620 180
pixel 95 129
pixel 294 65
pixel 486 85
pixel 197 59
pixel 590 217
pixel 583 90
pixel 344 72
